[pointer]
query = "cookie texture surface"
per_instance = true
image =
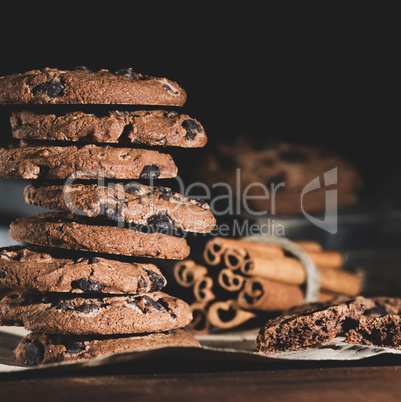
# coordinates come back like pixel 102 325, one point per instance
pixel 310 325
pixel 150 127
pixel 279 174
pixel 86 162
pixel 83 86
pixel 37 349
pixel 74 232
pixel 65 313
pixel 50 270
pixel 380 325
pixel 133 202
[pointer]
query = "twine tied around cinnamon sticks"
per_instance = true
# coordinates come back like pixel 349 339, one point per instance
pixel 312 282
pixel 237 279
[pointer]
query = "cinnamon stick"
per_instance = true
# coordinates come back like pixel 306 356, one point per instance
pixel 234 257
pixel 290 270
pixel 229 281
pixel 228 314
pixel 327 259
pixel 282 269
pixel 215 248
pixel 203 290
pixel 308 245
pixel 200 323
pixel 338 281
pixel 187 272
pixel 266 295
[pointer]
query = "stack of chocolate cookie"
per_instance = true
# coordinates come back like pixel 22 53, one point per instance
pixel 86 288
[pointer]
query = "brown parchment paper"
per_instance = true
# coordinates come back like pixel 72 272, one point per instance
pixel 228 348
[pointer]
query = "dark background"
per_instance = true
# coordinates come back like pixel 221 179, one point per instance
pixel 310 75
pixel 296 72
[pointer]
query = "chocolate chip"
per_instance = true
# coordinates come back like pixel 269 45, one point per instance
pixel 150 172
pixel 164 190
pixel 170 114
pixel 134 304
pixel 158 281
pixel 127 72
pixel 34 353
pixel 112 213
pixel 166 193
pixel 82 68
pixel 169 89
pixel 201 203
pixel 53 88
pixel 142 283
pixel 165 197
pixel 93 260
pixel 2 275
pixel 376 311
pixel 88 308
pixel 124 113
pixel 74 347
pixel 349 323
pixel 148 301
pixel 7 257
pixel 166 308
pixel 161 220
pixel 87 285
pixel 63 306
pixel 190 136
pixel 293 156
pixel 133 190
pixel 191 127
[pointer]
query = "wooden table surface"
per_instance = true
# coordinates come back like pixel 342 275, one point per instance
pixel 361 383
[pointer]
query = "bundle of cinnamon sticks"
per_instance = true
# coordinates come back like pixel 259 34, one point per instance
pixel 236 280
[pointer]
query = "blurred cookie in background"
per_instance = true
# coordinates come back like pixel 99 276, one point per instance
pixel 279 178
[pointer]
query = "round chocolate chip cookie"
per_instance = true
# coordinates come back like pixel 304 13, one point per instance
pixel 50 270
pixel 65 313
pixel 37 349
pixel 133 202
pixel 83 86
pixel 86 162
pixel 149 127
pixel 77 233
